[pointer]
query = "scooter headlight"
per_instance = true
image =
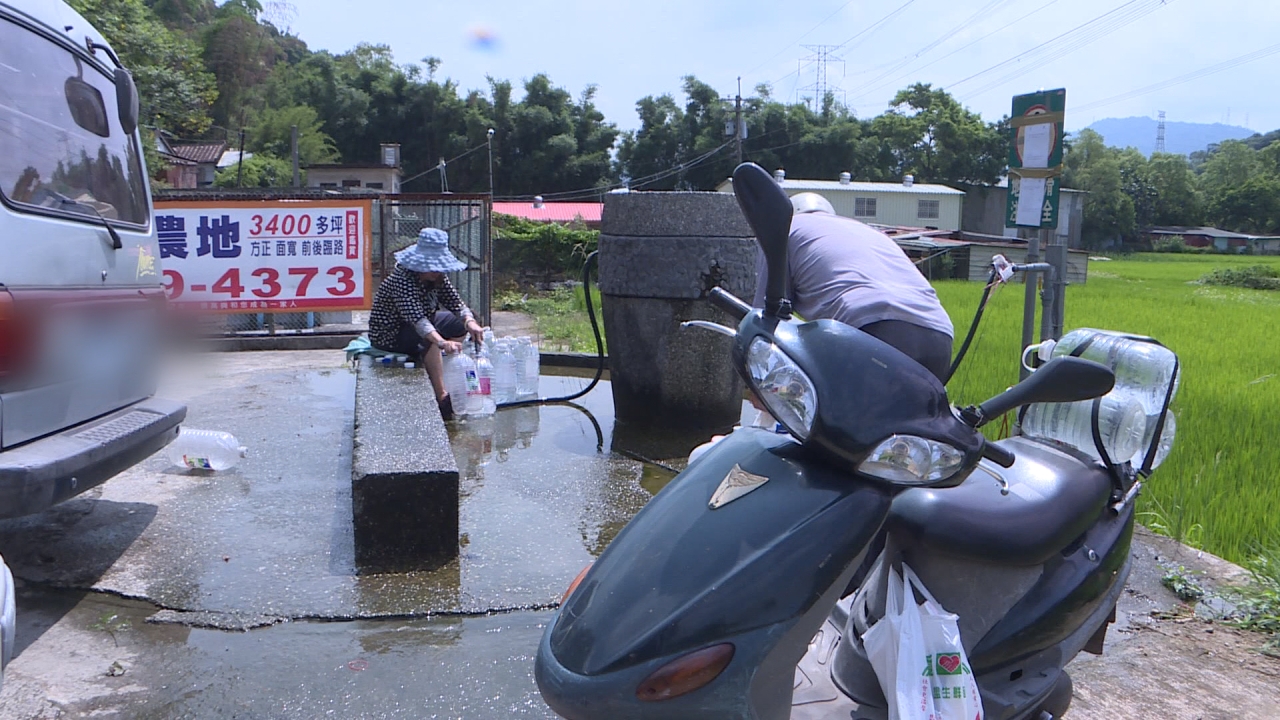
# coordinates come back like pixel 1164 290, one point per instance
pixel 782 386
pixel 911 460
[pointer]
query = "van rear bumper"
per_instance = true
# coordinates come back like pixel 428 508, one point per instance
pixel 43 473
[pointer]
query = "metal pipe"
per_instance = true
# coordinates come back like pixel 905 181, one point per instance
pixel 1029 304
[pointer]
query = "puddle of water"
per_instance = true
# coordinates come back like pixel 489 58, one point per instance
pixel 541 495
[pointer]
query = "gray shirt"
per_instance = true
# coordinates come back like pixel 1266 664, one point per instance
pixel 845 270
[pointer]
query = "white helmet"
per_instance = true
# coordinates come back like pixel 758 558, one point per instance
pixel 808 202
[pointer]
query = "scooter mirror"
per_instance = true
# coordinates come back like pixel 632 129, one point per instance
pixel 1063 379
pixel 768 210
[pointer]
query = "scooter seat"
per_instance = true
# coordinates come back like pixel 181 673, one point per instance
pixel 1052 498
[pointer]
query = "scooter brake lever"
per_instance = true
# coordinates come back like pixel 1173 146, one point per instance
pixel 713 327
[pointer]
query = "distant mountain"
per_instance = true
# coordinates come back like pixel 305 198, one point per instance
pixel 1179 137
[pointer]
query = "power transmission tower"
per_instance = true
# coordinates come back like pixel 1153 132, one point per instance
pixel 1160 134
pixel 822 54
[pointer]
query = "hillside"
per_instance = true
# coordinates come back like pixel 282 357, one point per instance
pixel 1182 138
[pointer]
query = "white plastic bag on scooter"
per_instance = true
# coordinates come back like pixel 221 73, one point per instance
pixel 918 658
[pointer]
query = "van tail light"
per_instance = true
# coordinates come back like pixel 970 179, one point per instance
pixel 14 340
pixel 686 673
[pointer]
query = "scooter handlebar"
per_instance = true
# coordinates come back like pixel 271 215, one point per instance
pixel 725 300
pixel 998 455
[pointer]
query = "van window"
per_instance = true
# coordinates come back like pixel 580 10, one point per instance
pixel 62 149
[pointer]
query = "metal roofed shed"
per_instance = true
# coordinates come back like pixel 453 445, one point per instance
pixel 587 213
pixel 905 204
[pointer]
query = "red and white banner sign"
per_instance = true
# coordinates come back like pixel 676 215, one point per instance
pixel 277 256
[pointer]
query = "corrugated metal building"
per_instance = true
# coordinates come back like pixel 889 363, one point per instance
pixel 905 204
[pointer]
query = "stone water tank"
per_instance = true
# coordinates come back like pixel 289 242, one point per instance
pixel 660 254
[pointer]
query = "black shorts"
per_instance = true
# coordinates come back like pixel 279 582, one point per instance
pixel 930 348
pixel 408 342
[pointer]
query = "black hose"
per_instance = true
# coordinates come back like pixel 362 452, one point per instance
pixel 982 305
pixel 595 328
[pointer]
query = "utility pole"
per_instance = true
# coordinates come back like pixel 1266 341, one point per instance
pixel 240 162
pixel 738 127
pixel 1160 134
pixel 297 174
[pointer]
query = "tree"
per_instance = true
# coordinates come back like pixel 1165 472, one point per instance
pixel 175 88
pixel 272 132
pixel 1231 165
pixel 263 170
pixel 927 133
pixel 1178 199
pixel 1252 207
pixel 1091 166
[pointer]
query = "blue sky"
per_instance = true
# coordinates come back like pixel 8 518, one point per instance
pixel 632 49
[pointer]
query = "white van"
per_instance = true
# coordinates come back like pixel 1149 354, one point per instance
pixel 80 283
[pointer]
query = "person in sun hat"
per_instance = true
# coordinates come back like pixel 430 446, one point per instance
pixel 417 311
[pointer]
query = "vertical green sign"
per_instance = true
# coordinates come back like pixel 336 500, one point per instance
pixel 1035 158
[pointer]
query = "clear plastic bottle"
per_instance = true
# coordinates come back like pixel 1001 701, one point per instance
pixel 1143 369
pixel 205 449
pixel 1121 425
pixel 528 366
pixel 480 386
pixel 1166 440
pixel 504 371
pixel 456 366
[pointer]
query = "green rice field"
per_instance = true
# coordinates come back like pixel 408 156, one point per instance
pixel 1220 487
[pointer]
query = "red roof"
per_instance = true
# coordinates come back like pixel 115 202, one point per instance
pixel 561 212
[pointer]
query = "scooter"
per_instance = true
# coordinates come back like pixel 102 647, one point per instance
pixel 732 593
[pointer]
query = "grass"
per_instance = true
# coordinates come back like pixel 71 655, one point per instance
pixel 1220 486
pixel 1259 601
pixel 560 316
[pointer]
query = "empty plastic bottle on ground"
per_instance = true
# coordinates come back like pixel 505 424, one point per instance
pixel 504 371
pixel 205 450
pixel 1144 369
pixel 527 366
pixel 1121 425
pixel 480 386
pixel 456 366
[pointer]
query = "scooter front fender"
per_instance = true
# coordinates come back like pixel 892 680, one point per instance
pixel 683 575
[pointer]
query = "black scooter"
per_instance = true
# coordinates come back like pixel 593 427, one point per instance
pixel 730 595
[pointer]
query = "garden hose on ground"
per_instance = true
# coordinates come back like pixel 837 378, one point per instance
pixel 595 329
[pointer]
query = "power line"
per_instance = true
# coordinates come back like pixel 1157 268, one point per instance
pixel 1002 28
pixel 870 28
pixel 871 85
pixel 566 195
pixel 1188 77
pixel 1064 44
pixel 797 40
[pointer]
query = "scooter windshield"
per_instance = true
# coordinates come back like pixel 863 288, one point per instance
pixel 867 390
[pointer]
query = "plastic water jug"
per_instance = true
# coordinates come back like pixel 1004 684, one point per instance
pixel 1166 440
pixel 1143 369
pixel 1121 425
pixel 480 386
pixel 527 366
pixel 504 371
pixel 456 367
pixel 205 450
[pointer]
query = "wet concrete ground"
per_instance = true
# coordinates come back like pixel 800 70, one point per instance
pixel 168 594
pixel 268 545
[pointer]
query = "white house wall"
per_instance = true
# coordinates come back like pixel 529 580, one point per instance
pixel 901 209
